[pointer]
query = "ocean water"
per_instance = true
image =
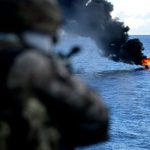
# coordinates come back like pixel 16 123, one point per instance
pixel 125 90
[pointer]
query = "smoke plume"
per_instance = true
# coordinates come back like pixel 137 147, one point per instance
pixel 92 18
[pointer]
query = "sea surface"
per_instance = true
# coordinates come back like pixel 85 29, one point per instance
pixel 125 90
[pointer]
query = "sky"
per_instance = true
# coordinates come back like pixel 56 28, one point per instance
pixel 134 13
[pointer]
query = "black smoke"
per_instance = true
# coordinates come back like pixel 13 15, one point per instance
pixel 92 18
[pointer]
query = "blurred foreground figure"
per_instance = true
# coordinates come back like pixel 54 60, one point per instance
pixel 42 105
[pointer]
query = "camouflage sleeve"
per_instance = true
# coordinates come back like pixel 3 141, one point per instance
pixel 78 113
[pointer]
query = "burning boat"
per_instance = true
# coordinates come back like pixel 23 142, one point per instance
pixel 93 19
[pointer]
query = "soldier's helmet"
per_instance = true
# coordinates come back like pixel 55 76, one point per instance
pixel 20 15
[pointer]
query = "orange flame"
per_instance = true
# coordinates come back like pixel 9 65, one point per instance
pixel 146 62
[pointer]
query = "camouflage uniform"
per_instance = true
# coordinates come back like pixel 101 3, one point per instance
pixel 42 105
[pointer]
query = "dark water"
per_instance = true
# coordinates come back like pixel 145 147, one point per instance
pixel 124 88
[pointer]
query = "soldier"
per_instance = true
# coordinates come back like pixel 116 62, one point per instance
pixel 42 105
